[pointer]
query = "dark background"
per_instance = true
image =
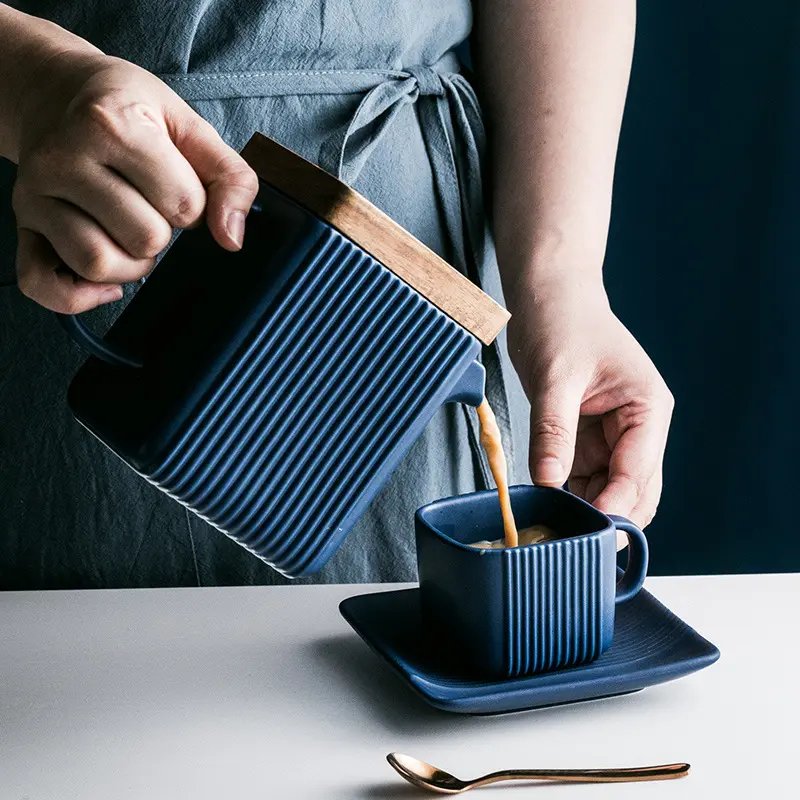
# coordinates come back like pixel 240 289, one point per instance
pixel 702 267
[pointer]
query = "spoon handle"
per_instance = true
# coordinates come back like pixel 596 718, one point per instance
pixel 658 773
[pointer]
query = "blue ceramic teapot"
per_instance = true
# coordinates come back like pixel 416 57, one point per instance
pixel 273 390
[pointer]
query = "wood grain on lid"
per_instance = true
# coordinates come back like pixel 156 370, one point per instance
pixel 378 234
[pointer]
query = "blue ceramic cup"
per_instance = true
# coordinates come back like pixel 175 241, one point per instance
pixel 518 611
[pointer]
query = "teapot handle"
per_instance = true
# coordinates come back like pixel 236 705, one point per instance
pixel 94 344
pixel 99 347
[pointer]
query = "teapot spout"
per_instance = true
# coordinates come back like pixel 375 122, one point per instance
pixel 470 387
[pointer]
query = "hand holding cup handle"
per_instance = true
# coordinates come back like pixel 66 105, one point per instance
pixel 638 556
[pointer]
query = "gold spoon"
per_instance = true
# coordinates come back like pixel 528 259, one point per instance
pixel 437 780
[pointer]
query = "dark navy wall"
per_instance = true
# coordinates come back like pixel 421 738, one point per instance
pixel 703 267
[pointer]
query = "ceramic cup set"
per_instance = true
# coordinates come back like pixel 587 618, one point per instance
pixel 496 630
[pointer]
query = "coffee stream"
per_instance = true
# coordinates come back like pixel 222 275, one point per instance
pixel 492 444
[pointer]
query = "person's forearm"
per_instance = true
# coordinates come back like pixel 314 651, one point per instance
pixel 26 43
pixel 553 76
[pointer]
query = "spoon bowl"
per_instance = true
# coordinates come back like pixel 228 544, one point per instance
pixel 426 776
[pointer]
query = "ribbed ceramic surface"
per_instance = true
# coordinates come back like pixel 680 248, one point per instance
pixel 305 417
pixel 553 605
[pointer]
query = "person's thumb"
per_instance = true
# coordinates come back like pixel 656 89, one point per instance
pixel 554 427
pixel 231 183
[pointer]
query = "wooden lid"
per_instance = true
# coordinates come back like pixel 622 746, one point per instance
pixel 378 234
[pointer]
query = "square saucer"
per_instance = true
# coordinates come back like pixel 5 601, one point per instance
pixel 651 645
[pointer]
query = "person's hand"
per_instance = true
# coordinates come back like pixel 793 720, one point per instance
pixel 600 411
pixel 110 161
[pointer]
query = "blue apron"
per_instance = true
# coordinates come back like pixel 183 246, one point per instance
pixel 372 92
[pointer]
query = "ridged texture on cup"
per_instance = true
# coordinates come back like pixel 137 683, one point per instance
pixel 567 578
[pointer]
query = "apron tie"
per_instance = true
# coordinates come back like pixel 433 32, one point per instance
pixel 455 141
pixel 428 81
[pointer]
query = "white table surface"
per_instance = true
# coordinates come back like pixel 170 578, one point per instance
pixel 266 692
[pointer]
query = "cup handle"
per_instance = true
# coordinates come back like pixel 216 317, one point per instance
pixel 638 553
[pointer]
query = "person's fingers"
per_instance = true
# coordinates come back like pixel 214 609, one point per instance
pixel 80 242
pixel 642 515
pixel 596 484
pixel 637 437
pixel 141 151
pixel 646 508
pixel 555 410
pixel 591 448
pixel 230 182
pixel 40 278
pixel 591 455
pixel 133 219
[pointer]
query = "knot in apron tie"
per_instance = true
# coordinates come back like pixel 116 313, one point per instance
pixel 455 141
pixel 428 81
